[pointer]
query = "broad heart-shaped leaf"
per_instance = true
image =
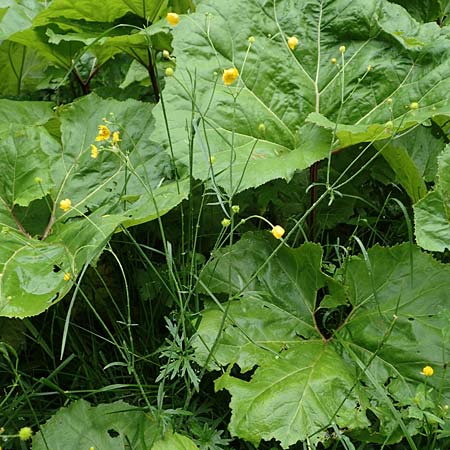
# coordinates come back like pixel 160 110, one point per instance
pixel 397 325
pixel 284 288
pixel 127 184
pixel 293 394
pixel 112 426
pixel 432 213
pixel 281 113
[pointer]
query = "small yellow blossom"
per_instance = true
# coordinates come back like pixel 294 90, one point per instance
pixel 173 18
pixel 342 48
pixel 251 39
pixel 369 68
pixel 166 54
pixel 67 276
pixel 91 448
pixel 229 76
pixel 427 371
pixel 94 151
pixel 333 60
pixel 277 231
pixel 389 101
pixel 65 204
pixel 235 209
pixel 225 222
pixel 169 72
pixel 25 433
pixel 103 133
pixel 414 105
pixel 116 137
pixel 292 42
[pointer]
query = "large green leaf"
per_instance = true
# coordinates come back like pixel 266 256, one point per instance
pixel 432 213
pixel 113 426
pixel 280 115
pixel 16 16
pixel 397 325
pixel 425 10
pixel 126 185
pixel 21 69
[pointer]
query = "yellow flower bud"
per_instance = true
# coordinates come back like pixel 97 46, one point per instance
pixel 277 231
pixel 67 276
pixel 166 54
pixel 414 105
pixel 342 48
pixel 292 42
pixel 116 137
pixel 225 222
pixel 65 204
pixel 25 433
pixel 333 60
pixel 169 72
pixel 229 76
pixel 173 18
pixel 94 151
pixel 251 39
pixel 427 371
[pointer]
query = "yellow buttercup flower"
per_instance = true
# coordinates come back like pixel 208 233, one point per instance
pixel 278 231
pixel 173 18
pixel 94 151
pixel 427 371
pixel 25 433
pixel 292 42
pixel 103 133
pixel 65 204
pixel 229 76
pixel 116 137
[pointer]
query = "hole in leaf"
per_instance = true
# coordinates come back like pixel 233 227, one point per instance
pixel 56 268
pixel 373 419
pixel 113 433
pixel 245 376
